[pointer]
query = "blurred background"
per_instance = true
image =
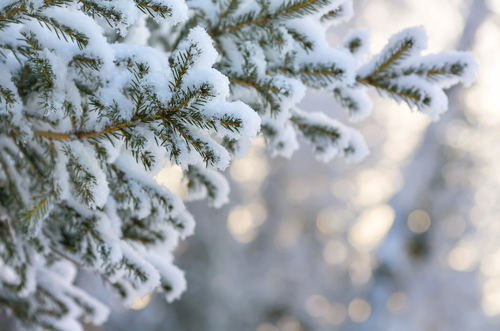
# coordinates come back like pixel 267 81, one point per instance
pixel 409 239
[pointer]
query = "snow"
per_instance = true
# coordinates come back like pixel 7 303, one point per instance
pixel 131 258
pixel 438 99
pixel 416 36
pixel 67 138
pixel 136 174
pixel 217 180
pixel 446 60
pixel 358 96
pixel 207 55
pixel 84 155
pixel 284 140
pixel 356 147
pixel 15 108
pixel 362 52
pixel 325 148
pixel 170 274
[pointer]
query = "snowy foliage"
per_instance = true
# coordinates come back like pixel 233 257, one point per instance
pixel 273 50
pixel 86 123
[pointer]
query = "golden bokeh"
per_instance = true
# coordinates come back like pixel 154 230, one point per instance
pixel 141 303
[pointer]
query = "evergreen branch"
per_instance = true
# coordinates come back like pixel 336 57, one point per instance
pixel 54 135
pixel 125 194
pixel 32 41
pixel 55 3
pixel 93 134
pixel 141 231
pixel 387 87
pixel 227 122
pixel 83 180
pixel 288 10
pixel 12 10
pixel 41 68
pixel 271 94
pixel 346 101
pixel 433 73
pixel 312 130
pixel 92 8
pixel 193 99
pixel 150 7
pixel 243 24
pixel 182 62
pixel 196 179
pixel 139 103
pixel 333 14
pixel 21 84
pixel 436 72
pixel 30 159
pixel 46 72
pixel 12 13
pixel 196 118
pixel 319 72
pixel 7 218
pixel 302 39
pixel 8 168
pixel 322 74
pixel 231 7
pixel 184 103
pixel 327 136
pixel 8 96
pixel 142 240
pixel 133 268
pixel 208 156
pixel 62 308
pixel 41 119
pixel 14 51
pixel 299 8
pixel 118 127
pixel 354 45
pixel 253 84
pixel 186 136
pixel 34 214
pixel 62 30
pixel 392 59
pixel 285 67
pixel 82 61
pixel 394 56
pixel 16 131
pixel 64 256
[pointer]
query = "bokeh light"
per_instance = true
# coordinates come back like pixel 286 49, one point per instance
pixel 289 323
pixel 398 303
pixel 419 221
pixel 359 310
pixel 371 227
pixel 317 306
pixel 335 252
pixel 337 314
pixel 266 327
pixel 141 303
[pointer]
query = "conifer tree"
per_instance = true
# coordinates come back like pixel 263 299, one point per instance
pixel 86 121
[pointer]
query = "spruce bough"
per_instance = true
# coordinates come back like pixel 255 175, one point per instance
pixel 86 122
